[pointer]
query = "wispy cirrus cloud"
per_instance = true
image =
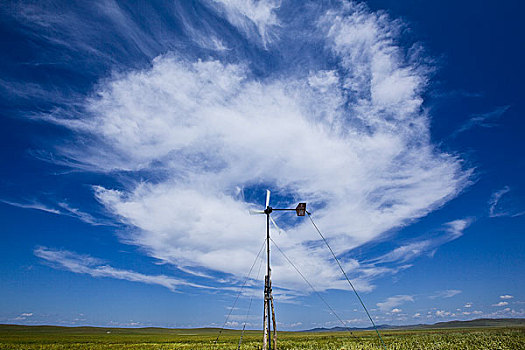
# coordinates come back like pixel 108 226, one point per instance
pixel 449 293
pixel 63 209
pixel 251 16
pixel 453 94
pixel 345 131
pixel 495 209
pixel 484 120
pixel 94 267
pixel 449 232
pixel 33 205
pixel 494 200
pixel 83 216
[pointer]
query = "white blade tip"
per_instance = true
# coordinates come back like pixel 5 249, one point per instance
pixel 256 212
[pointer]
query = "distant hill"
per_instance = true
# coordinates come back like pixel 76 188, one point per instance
pixel 100 330
pixel 481 322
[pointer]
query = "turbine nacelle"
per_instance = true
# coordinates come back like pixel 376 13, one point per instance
pixel 300 209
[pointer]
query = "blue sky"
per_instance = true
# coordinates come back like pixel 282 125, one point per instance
pixel 137 136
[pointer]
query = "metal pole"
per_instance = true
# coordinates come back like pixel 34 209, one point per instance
pixel 269 311
pixel 268 245
pixel 269 285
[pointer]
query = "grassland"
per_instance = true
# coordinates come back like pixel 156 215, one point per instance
pixel 55 338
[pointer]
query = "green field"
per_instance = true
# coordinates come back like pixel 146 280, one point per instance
pixel 47 337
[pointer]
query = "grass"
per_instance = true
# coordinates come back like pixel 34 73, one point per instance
pixel 58 338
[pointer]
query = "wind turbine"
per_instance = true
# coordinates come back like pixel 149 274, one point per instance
pixel 269 312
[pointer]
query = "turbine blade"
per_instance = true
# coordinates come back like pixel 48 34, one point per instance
pixel 267 198
pixel 256 212
pixel 276 227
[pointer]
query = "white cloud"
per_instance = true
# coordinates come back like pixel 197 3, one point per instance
pixel 506 312
pixel 485 120
pixel 406 252
pixel 23 316
pixel 449 232
pixel 86 264
pixel 501 303
pixel 417 315
pixel 506 296
pixel 352 141
pixel 446 294
pixel 451 292
pixel 391 302
pixel 82 216
pixel 442 313
pixel 67 210
pixel 246 14
pixel 468 305
pixel 396 311
pixel 33 205
pixel 494 200
pixel 494 205
pixel 456 227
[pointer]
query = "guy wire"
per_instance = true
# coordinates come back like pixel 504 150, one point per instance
pixel 240 291
pixel 249 306
pixel 315 291
pixel 351 285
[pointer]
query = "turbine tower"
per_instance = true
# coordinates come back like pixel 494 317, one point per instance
pixel 269 321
